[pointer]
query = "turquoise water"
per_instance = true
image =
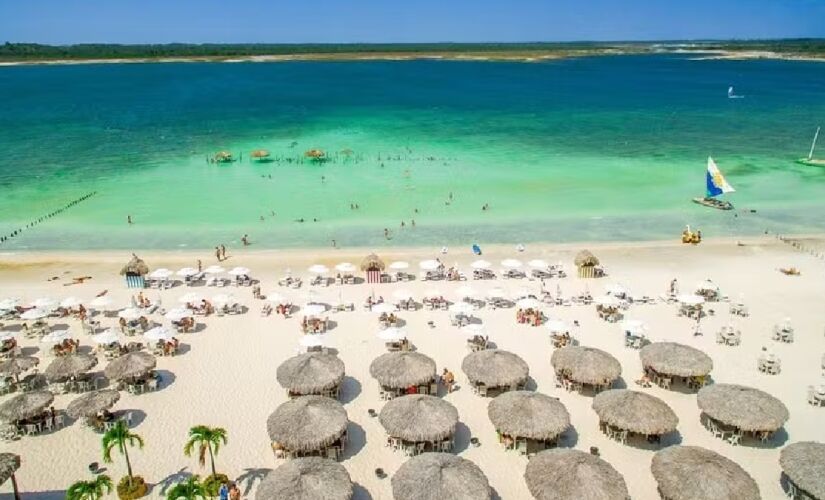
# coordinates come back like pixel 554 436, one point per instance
pixel 605 148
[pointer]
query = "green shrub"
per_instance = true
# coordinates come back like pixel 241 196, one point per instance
pixel 213 483
pixel 137 489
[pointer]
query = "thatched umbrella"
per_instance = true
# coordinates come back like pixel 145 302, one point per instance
pixel 529 415
pixel 372 263
pixel 438 476
pixel 804 464
pixel 398 370
pixel 670 358
pixel 563 474
pixel 635 411
pixel 586 365
pixel 223 156
pixel 307 423
pixel 418 417
pixel 585 258
pixel 64 367
pixel 315 154
pixel 311 373
pixel 131 365
pixel 311 478
pixel 25 405
pixel 91 403
pixel 259 153
pixel 743 407
pixel 9 463
pixel 495 368
pixel 15 366
pixel 135 267
pixel 694 473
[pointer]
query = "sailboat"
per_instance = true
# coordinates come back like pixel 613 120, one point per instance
pixel 716 185
pixel 732 94
pixel 810 160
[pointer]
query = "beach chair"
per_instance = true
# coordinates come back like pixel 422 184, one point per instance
pixel 521 447
pixel 735 437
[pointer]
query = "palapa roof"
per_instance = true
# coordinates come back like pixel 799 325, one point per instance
pixel 495 368
pixel 17 365
pixel 743 407
pixel 307 423
pixel 311 373
pixel 314 153
pixel 585 258
pixel 804 464
pixel 587 365
pixel 135 266
pixel 418 417
pixel 25 405
pixel 223 156
pixel 372 261
pixel 311 478
pixel 71 365
pixel 9 463
pixel 670 358
pixel 634 411
pixel 89 404
pixel 398 370
pixel 259 153
pixel 529 415
pixel 439 476
pixel 130 365
pixel 694 473
pixel 564 474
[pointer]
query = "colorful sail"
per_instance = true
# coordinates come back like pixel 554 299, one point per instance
pixel 716 183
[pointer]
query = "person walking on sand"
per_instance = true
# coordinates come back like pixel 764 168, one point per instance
pixel 223 492
pixel 448 379
pixel 223 251
pixel 200 265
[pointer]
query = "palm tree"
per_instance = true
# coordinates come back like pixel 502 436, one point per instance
pixel 90 490
pixel 206 439
pixel 119 437
pixel 191 489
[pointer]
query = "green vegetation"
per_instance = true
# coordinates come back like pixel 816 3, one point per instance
pixel 191 489
pixel 90 490
pixel 121 438
pixel 206 439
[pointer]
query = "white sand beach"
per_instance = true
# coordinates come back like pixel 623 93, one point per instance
pixel 225 373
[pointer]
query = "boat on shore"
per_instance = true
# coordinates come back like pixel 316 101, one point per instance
pixel 810 160
pixel 716 185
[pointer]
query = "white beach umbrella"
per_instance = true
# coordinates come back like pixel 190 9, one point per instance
pixel 433 293
pixel 214 269
pixel 313 340
pixel 461 308
pixel 616 289
pixel 130 313
pixel 187 271
pixel 190 298
pixel 105 337
pixel 429 265
pixel 538 264
pixel 177 314
pixel 4 336
pixel 102 302
pixel 480 264
pixel 70 302
pixel 402 294
pixel 634 326
pixel 239 271
pixel 346 267
pixel 399 265
pixel 161 273
pixel 55 336
pixel 392 333
pixel 497 293
pixel 691 300
pixel 34 314
pixel 318 269
pixel 511 263
pixel 47 303
pixel 9 303
pixel 158 333
pixel 276 298
pixel 225 299
pixel 607 300
pixel 466 291
pixel 383 308
pixel 472 329
pixel 528 303
pixel 314 309
pixel 557 326
pixel 706 285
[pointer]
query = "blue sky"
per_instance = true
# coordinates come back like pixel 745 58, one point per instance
pixel 302 21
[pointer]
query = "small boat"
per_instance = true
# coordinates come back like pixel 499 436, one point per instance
pixel 716 185
pixel 732 94
pixel 810 160
pixel 476 249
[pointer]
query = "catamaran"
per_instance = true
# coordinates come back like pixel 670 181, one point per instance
pixel 716 185
pixel 810 160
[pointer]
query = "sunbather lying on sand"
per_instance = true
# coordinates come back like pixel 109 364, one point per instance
pixel 78 281
pixel 789 271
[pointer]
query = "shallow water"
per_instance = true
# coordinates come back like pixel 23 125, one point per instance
pixel 605 148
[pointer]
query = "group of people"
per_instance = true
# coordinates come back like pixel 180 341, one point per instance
pixel 68 346
pixel 168 347
pixel 142 322
pixel 388 319
pixel 530 316
pixel 229 491
pixel 313 325
pixel 184 324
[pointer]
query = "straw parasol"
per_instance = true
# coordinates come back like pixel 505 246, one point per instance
pixel 804 464
pixel 135 267
pixel 418 417
pixel 259 153
pixel 586 365
pixel 562 474
pixel 72 365
pixel 9 463
pixel 307 423
pixel 398 370
pixel 223 156
pixel 635 411
pixel 25 405
pixel 528 414
pixel 495 368
pixel 438 476
pixel 89 404
pixel 692 473
pixel 586 259
pixel 311 478
pixel 15 366
pixel 315 154
pixel 372 263
pixel 311 373
pixel 670 358
pixel 131 365
pixel 743 407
